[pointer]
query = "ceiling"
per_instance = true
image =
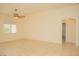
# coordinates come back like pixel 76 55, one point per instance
pixel 32 7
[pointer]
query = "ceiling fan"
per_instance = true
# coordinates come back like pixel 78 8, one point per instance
pixel 17 15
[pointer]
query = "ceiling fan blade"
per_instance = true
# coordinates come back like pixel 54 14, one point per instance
pixel 21 16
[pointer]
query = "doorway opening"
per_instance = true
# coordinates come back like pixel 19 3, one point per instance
pixel 69 30
pixel 63 32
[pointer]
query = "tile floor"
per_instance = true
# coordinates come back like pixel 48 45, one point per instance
pixel 26 47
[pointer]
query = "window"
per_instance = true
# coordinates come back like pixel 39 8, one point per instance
pixel 9 28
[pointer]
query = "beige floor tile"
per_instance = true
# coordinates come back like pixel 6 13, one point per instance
pixel 37 48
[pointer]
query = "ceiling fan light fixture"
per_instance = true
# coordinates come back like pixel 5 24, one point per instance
pixel 16 15
pixel 16 18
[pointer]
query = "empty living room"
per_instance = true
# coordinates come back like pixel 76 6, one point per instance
pixel 39 29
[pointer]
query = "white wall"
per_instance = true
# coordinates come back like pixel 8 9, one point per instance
pixel 47 25
pixel 77 32
pixel 44 26
pixel 71 30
